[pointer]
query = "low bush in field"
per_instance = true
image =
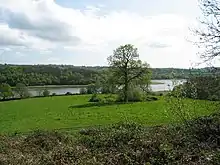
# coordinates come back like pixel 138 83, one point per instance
pixel 95 98
pixel 68 93
pixel 134 95
pixel 83 91
pixel 198 142
pixel 46 93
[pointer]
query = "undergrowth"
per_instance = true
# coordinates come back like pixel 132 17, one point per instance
pixel 119 144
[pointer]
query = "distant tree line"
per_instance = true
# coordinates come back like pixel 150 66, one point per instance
pixel 33 75
pixel 36 75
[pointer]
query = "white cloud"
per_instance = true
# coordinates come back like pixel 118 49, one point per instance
pixel 43 25
pixel 53 59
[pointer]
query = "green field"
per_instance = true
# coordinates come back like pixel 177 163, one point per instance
pixel 55 113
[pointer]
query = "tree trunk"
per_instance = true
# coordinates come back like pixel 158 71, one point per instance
pixel 126 93
pixel 126 88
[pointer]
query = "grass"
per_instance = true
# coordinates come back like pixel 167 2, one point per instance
pixel 73 112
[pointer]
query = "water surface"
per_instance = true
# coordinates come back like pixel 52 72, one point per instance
pixel 163 85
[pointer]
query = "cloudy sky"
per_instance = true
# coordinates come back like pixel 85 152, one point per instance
pixel 85 32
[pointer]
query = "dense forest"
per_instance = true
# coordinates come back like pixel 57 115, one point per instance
pixel 34 75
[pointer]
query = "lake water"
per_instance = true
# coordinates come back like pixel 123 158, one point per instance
pixel 164 86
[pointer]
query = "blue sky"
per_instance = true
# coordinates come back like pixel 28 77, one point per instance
pixel 85 32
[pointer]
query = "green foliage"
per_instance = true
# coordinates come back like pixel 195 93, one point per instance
pixel 106 82
pixel 46 92
pixel 122 143
pixel 109 99
pixel 22 90
pixel 127 69
pixel 94 98
pixel 68 93
pixel 5 91
pixel 92 89
pixel 134 95
pixel 83 91
pixel 38 75
pixel 203 87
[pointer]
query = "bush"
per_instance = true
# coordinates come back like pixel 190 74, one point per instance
pixel 46 93
pixel 204 88
pixel 68 93
pixel 83 91
pixel 22 90
pixel 91 89
pixel 125 143
pixel 54 94
pixel 43 140
pixel 94 98
pixel 108 99
pixel 213 98
pixel 151 98
pixel 5 91
pixel 134 95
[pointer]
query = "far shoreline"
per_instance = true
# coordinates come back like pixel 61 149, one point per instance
pixel 78 86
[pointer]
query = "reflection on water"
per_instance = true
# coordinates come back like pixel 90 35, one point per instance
pixel 164 86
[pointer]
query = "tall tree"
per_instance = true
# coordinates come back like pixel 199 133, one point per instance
pixel 5 91
pixel 22 90
pixel 127 67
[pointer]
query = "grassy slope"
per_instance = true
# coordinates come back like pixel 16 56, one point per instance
pixel 54 113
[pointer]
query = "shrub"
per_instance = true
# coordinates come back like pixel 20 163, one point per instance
pixel 91 89
pixel 22 90
pixel 213 98
pixel 68 93
pixel 46 92
pixel 134 95
pixel 54 94
pixel 43 140
pixel 5 91
pixel 204 88
pixel 94 98
pixel 151 98
pixel 83 91
pixel 120 144
pixel 108 99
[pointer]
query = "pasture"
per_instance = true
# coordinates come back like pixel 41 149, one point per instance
pixel 75 112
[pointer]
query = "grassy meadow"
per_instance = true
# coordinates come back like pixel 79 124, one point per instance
pixel 75 112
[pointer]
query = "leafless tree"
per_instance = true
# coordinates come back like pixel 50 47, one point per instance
pixel 209 31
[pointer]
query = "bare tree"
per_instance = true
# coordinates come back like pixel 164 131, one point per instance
pixel 209 32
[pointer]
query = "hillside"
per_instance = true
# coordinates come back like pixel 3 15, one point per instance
pixel 34 75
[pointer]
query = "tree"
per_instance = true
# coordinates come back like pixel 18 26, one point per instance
pixel 22 90
pixel 127 68
pixel 46 92
pixel 92 89
pixel 83 91
pixel 5 91
pixel 208 41
pixel 209 33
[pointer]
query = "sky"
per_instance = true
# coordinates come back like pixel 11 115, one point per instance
pixel 85 32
